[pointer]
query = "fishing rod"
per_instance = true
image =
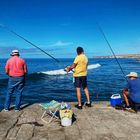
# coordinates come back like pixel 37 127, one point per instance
pixel 102 32
pixel 13 32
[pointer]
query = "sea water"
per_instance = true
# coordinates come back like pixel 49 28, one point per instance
pixel 44 84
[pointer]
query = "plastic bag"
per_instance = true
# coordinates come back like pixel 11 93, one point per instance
pixel 66 113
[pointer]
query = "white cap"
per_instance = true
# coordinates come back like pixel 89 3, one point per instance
pixel 14 52
pixel 132 74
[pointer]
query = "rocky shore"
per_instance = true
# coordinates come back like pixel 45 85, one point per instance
pixel 137 56
pixel 100 122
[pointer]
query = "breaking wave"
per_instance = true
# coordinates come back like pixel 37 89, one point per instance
pixel 63 72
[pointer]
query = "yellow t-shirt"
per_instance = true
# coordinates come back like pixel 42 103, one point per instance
pixel 81 62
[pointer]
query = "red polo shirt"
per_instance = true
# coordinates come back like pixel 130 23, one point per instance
pixel 15 67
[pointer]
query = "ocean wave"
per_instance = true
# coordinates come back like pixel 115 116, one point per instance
pixel 93 66
pixel 63 72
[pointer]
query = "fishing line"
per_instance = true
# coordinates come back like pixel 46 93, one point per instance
pixel 13 32
pixel 102 32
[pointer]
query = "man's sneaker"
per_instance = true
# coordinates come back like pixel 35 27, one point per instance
pixel 79 107
pixel 88 104
pixel 128 108
pixel 16 110
pixel 6 110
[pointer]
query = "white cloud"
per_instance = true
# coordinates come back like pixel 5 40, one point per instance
pixel 61 44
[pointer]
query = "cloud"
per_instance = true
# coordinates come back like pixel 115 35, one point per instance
pixel 7 49
pixel 61 44
pixel 54 49
pixel 29 50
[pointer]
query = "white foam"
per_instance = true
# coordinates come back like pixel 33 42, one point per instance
pixel 55 72
pixel 62 72
pixel 93 66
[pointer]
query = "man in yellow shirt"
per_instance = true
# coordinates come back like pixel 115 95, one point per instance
pixel 80 75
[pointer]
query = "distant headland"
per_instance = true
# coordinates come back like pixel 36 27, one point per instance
pixel 137 56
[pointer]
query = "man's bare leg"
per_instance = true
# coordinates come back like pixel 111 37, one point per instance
pixel 87 95
pixel 78 92
pixel 125 95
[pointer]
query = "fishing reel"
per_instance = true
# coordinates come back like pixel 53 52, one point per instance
pixel 65 69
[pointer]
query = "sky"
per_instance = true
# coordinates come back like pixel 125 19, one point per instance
pixel 59 26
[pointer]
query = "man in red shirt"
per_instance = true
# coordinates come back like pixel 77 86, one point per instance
pixel 16 69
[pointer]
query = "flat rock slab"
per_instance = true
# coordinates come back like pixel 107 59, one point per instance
pixel 99 122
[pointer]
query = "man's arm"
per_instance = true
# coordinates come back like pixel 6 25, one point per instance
pixel 25 68
pixel 7 68
pixel 125 90
pixel 71 67
pixel 7 71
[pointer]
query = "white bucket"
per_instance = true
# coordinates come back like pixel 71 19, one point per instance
pixel 66 121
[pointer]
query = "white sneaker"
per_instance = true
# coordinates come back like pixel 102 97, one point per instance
pixel 16 110
pixel 6 110
pixel 128 108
